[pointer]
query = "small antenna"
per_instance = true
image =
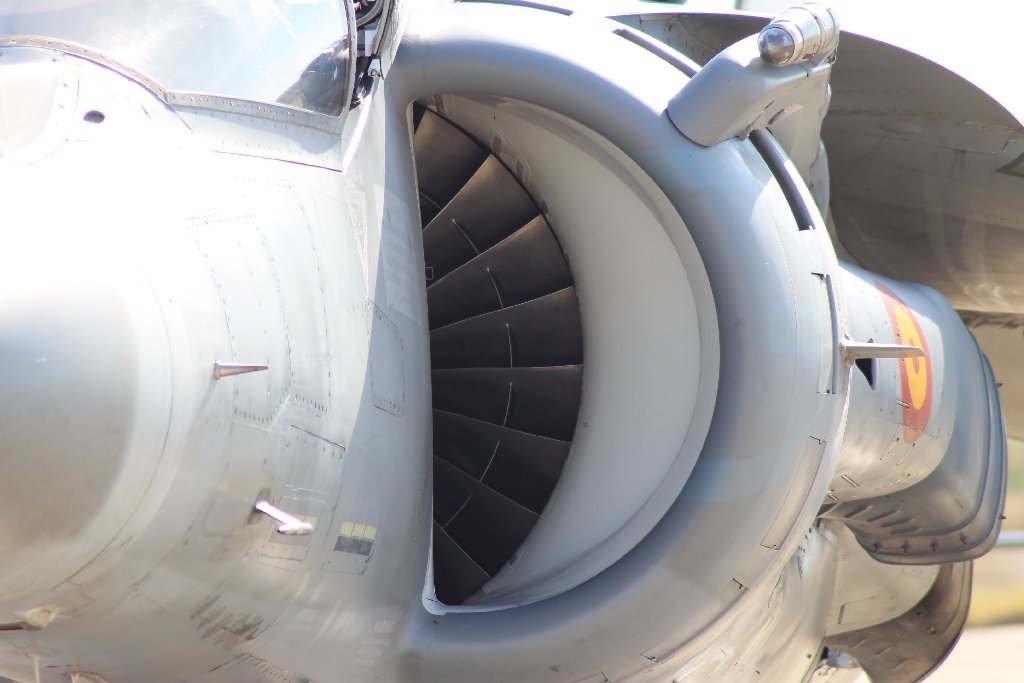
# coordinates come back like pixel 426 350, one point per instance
pixel 222 369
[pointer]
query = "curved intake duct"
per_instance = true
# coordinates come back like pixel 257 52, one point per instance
pixel 738 375
pixel 920 478
pixel 506 352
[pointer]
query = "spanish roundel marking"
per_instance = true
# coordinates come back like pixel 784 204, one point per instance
pixel 915 373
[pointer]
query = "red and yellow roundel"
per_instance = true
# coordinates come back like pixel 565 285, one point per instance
pixel 915 373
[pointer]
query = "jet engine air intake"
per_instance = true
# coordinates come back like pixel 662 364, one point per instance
pixel 506 351
pixel 546 473
pixel 718 411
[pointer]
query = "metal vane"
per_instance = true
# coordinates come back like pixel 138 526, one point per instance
pixel 222 369
pixel 852 350
pixel 291 526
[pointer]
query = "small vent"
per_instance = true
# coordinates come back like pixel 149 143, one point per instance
pixel 506 352
pixel 867 368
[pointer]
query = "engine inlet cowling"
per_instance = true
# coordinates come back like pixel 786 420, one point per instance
pixel 707 285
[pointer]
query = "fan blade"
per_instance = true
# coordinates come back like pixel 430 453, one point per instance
pixel 452 488
pixel 445 159
pixel 522 467
pixel 456 575
pixel 525 266
pixel 541 332
pixel 506 348
pixel 490 207
pixel 541 401
pixel 491 528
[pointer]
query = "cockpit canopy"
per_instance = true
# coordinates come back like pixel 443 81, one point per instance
pixel 295 53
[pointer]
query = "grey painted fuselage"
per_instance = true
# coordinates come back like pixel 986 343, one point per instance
pixel 772 456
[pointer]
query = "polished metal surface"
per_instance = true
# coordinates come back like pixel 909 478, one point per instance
pixel 778 45
pixel 807 32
